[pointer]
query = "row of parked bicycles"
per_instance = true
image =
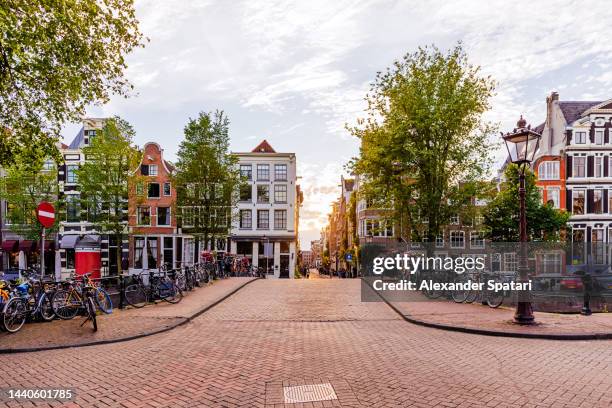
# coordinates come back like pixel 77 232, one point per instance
pixel 34 297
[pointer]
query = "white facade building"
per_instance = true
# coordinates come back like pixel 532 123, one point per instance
pixel 264 228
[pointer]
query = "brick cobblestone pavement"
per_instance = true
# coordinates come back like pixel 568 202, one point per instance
pixel 276 333
pixel 121 323
pixel 476 316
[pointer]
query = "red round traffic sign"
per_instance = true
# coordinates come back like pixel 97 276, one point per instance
pixel 46 214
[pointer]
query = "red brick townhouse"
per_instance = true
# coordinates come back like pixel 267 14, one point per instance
pixel 154 237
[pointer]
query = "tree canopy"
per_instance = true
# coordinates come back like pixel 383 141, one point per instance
pixel 56 57
pixel 424 143
pixel 107 177
pixel 207 178
pixel 501 216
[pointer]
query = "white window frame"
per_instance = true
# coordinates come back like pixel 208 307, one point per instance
pixel 153 170
pixel 548 170
pixel 575 166
pixel 599 137
pixel 557 190
pixel 138 218
pixel 582 139
pixel 598 166
pixel 452 240
pixel 477 240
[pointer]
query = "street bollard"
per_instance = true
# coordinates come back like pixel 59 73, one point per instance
pixel 587 285
pixel 121 292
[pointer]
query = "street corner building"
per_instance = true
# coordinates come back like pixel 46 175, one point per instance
pixel 574 165
pixel 154 238
pixel 265 229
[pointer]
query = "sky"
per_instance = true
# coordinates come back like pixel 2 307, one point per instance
pixel 296 72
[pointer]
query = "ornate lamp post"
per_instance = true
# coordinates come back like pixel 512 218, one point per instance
pixel 522 143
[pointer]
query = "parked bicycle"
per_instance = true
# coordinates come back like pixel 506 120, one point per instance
pixel 158 287
pixel 68 300
pixel 30 299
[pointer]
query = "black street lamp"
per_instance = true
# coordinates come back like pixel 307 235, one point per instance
pixel 522 144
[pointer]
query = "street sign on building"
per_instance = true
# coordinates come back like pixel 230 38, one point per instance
pixel 45 214
pixel 349 257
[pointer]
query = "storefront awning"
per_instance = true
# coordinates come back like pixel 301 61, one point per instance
pixel 89 241
pixel 69 241
pixel 26 245
pixel 9 245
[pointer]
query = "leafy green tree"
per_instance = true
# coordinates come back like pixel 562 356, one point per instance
pixel 424 142
pixel 207 178
pixel 107 178
pixel 56 57
pixel 501 216
pixel 24 187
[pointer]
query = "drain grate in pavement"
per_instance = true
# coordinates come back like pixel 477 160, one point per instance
pixel 309 393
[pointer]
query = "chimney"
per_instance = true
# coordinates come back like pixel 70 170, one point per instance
pixel 554 97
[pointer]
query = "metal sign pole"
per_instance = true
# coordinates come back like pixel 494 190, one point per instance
pixel 42 253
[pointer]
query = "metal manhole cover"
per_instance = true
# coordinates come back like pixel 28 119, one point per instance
pixel 309 393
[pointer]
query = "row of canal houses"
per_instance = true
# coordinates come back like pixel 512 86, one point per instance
pixel 155 235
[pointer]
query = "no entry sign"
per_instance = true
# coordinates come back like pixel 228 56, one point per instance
pixel 46 214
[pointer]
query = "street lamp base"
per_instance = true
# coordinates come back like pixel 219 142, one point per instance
pixel 524 314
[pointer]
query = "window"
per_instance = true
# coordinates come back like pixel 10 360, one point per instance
pixel 71 175
pixel 246 219
pixel 167 189
pixel 548 170
pixel 510 262
pixel 280 193
pixel 495 262
pixel 280 172
pixel 479 220
pixel 263 172
pixel 48 165
pixel 597 201
pixel 579 166
pixel 152 169
pixel 552 196
pixel 188 216
pixel 597 246
pixel 246 192
pixel 550 263
pixel 440 241
pixel 144 216
pixel 598 166
pixel 163 215
pixel 152 252
pixel 389 228
pixel 454 220
pixel 457 239
pixel 578 202
pixel 599 137
pixel 280 219
pixel 139 188
pixel 138 251
pixel 153 190
pixel 73 208
pixel 580 137
pixel 477 239
pixel 246 170
pixel 263 219
pixel 263 194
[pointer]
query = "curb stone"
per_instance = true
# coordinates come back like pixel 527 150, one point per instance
pixel 181 322
pixel 495 333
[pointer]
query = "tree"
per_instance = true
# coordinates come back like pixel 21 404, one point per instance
pixel 56 57
pixel 207 178
pixel 24 187
pixel 424 143
pixel 107 177
pixel 501 216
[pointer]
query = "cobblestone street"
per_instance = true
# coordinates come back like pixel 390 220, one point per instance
pixel 276 333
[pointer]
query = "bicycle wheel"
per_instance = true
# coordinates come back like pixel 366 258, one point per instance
pixel 495 299
pixel 65 304
pixel 15 313
pixel 103 301
pixel 136 295
pixel 91 312
pixel 170 292
pixel 45 311
pixel 459 295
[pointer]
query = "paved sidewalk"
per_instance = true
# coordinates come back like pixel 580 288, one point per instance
pixel 485 320
pixel 121 324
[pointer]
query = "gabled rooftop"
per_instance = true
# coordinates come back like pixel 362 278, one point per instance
pixel 263 147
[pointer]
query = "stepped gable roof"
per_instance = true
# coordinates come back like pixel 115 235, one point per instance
pixel 573 110
pixel 263 147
